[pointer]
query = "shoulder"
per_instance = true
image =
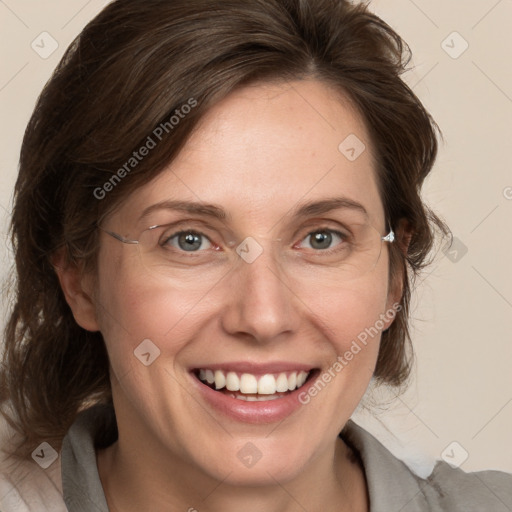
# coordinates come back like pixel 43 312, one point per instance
pixel 28 486
pixel 481 490
pixel 25 486
pixel 392 485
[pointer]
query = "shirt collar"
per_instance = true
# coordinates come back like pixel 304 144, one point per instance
pixel 391 484
pixel 81 484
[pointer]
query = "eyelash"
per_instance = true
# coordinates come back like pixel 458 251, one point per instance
pixel 198 233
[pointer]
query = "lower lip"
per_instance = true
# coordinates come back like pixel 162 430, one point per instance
pixel 267 411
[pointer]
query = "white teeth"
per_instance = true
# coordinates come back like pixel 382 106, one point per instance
pixel 282 383
pixel 220 379
pixel 301 378
pixel 292 381
pixel 232 381
pixel 249 384
pixel 252 398
pixel 208 375
pixel 267 385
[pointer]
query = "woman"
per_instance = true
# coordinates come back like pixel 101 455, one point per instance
pixel 216 221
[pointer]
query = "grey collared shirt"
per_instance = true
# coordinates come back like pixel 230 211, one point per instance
pixel 392 486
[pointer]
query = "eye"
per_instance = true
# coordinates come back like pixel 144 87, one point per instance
pixel 323 239
pixel 189 241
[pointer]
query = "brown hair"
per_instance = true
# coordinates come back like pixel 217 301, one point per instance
pixel 127 73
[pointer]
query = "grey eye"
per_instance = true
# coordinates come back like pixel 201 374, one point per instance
pixel 189 241
pixel 322 239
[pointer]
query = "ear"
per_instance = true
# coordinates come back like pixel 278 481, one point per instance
pixel 403 236
pixel 77 288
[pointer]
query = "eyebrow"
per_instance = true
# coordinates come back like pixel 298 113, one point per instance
pixel 327 205
pixel 207 210
pixel 215 211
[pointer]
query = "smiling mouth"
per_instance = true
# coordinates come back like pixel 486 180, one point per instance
pixel 253 388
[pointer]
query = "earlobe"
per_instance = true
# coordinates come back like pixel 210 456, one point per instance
pixel 77 290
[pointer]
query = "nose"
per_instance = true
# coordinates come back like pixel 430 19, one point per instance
pixel 262 305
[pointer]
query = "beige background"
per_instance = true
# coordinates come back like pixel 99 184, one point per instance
pixel 462 391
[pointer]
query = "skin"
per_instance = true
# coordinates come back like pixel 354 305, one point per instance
pixel 174 451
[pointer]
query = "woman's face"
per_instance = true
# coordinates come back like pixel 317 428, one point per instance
pixel 292 299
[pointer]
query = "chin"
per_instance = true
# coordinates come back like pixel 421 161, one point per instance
pixel 263 473
pixel 255 462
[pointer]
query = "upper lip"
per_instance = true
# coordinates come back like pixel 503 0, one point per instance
pixel 256 368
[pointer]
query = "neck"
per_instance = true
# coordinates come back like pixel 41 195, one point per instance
pixel 335 481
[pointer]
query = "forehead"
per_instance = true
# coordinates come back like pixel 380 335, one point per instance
pixel 266 148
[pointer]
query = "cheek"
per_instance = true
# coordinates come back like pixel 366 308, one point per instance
pixel 351 317
pixel 144 314
pixel 348 308
pixel 134 307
